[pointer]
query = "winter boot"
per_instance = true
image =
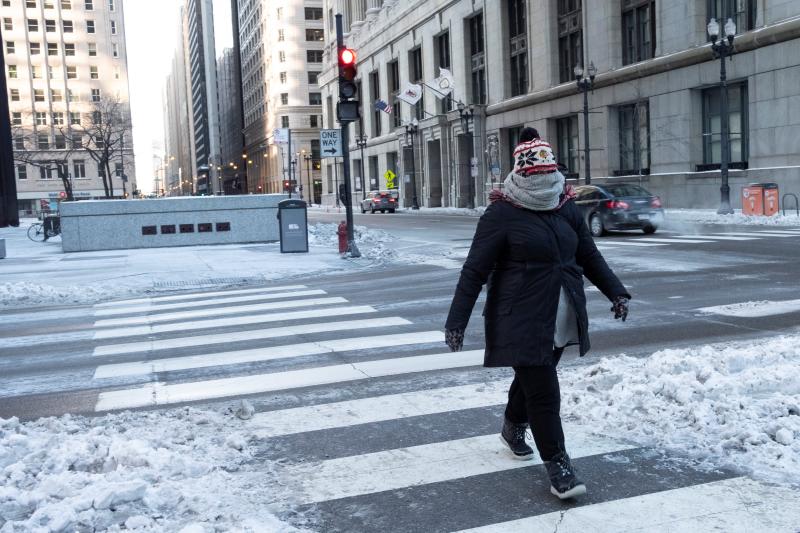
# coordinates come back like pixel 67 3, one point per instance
pixel 563 481
pixel 513 436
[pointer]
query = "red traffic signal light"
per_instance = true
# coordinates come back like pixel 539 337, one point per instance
pixel 347 57
pixel 62 195
pixel 287 185
pixel 347 66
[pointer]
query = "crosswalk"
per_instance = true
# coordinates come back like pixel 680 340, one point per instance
pixel 388 430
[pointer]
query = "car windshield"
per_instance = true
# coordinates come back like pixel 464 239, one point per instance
pixel 625 189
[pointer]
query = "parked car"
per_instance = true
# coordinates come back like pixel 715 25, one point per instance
pixel 382 201
pixel 619 206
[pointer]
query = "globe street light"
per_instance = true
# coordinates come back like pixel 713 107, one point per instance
pixel 411 130
pixel 585 81
pixel 723 48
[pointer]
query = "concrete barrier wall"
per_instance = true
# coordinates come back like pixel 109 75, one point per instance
pixel 186 221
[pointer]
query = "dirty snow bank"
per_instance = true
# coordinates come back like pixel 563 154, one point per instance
pixel 178 470
pixel 733 405
pixel 710 216
pixel 324 234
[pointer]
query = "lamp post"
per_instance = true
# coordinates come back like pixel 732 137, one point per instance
pixel 585 81
pixel 293 172
pixel 722 48
pixel 411 130
pixel 361 142
pixel 466 114
pixel 299 156
pixel 308 159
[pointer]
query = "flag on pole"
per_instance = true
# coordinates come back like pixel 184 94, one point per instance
pixel 411 94
pixel 382 105
pixel 444 84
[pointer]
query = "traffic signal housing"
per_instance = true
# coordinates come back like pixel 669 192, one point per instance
pixel 287 185
pixel 348 109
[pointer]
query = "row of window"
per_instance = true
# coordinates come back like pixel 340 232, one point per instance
pixel 55 95
pixel 57 118
pixel 314 121
pixel 311 13
pixel 72 72
pixel 50 26
pixel 313 77
pixel 88 5
pixel 313 98
pixel 53 50
pixel 50 170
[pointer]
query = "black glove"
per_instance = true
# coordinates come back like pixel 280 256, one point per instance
pixel 454 338
pixel 620 308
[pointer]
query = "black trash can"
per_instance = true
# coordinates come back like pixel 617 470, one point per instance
pixel 293 223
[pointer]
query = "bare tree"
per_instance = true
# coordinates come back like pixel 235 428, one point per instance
pixel 103 131
pixel 49 156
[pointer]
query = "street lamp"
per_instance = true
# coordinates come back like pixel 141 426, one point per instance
pixel 308 159
pixel 361 142
pixel 466 114
pixel 723 48
pixel 585 81
pixel 411 130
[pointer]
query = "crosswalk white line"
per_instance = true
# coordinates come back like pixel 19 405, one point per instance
pixel 192 296
pixel 256 355
pixel 378 409
pixel 757 234
pixel 205 303
pixel 250 335
pixel 672 240
pixel 216 311
pixel 735 505
pixel 216 323
pixel 717 237
pixel 795 233
pixel 629 243
pixel 154 394
pixel 400 468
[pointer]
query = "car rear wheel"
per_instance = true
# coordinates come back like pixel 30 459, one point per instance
pixel 596 226
pixel 391 210
pixel 383 211
pixel 649 229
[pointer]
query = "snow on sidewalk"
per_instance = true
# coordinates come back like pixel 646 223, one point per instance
pixel 41 274
pixel 673 217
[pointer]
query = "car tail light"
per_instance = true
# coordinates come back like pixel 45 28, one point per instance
pixel 376 200
pixel 391 199
pixel 617 204
pixel 656 202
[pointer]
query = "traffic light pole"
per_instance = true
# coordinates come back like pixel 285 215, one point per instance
pixel 352 249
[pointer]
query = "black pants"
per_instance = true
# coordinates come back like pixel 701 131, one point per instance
pixel 535 397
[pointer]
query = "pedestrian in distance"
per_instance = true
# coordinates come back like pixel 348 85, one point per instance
pixel 532 248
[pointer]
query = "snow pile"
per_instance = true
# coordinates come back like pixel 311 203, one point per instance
pixel 178 470
pixel 710 216
pixel 735 405
pixel 754 309
pixel 23 294
pixel 323 234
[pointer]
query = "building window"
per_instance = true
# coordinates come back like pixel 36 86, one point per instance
pixel 38 95
pixel 92 49
pixel 68 27
pixel 570 38
pixel 281 36
pixel 284 121
pixel 118 170
pixel 56 95
pixel 442 43
pixel 72 96
pixel 743 12
pixel 43 142
pixel 313 121
pixel 49 4
pixel 95 95
pixel 58 119
pixel 66 4
pixel 393 72
pixel 567 144
pixel 16 119
pixel 14 95
pixel 74 119
pixel 634 139
pixel 36 49
pixel 50 26
pixel 477 56
pixel 22 172
pixel 8 25
pixel 10 48
pixel 72 73
pixel 93 74
pixel 12 72
pixel 6 3
pixel 33 25
pixel 284 98
pixel 96 118
pixel 518 45
pixel 416 76
pixel 114 50
pixel 41 118
pixel 313 13
pixel 638 31
pixel 31 4
pixel 282 57
pixel 111 6
pixel 89 26
pixel 313 78
pixel 314 34
pixel 375 94
pixel 36 72
pixel 314 98
pixel 88 5
pixel 737 126
pixel 113 27
pixel 52 49
pixel 314 56
pixel 19 143
pixel 69 49
pixel 79 169
pixel 117 73
pixel 283 77
pixel 60 143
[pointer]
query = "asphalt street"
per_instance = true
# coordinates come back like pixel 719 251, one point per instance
pixel 368 338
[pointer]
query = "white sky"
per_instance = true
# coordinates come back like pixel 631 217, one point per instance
pixel 152 30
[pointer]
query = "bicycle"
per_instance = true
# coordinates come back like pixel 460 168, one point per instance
pixel 40 232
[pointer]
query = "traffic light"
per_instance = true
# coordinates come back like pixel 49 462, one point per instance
pixel 287 185
pixel 348 108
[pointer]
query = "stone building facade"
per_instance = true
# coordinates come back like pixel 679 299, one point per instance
pixel 654 110
pixel 64 58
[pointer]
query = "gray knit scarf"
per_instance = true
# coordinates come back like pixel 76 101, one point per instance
pixel 537 192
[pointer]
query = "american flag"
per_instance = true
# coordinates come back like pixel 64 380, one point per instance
pixel 382 105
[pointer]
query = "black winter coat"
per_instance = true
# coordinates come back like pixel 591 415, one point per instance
pixel 526 257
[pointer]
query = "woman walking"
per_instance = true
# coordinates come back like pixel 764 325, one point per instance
pixel 532 249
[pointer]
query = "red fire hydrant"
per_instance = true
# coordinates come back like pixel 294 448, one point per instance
pixel 341 231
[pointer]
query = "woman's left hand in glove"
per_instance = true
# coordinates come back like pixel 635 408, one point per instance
pixel 454 338
pixel 620 308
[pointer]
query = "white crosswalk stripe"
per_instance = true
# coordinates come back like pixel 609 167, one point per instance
pixel 197 295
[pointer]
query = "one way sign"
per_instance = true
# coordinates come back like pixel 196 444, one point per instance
pixel 330 142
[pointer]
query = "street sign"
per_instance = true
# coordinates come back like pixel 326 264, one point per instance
pixel 330 143
pixel 390 177
pixel 281 135
pixel 473 167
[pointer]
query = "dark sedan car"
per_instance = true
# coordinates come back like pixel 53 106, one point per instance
pixel 619 206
